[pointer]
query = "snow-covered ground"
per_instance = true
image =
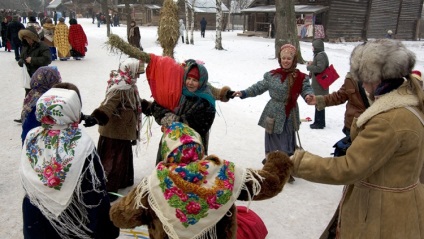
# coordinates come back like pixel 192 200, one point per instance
pixel 301 211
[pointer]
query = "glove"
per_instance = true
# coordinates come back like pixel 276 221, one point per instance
pixel 90 121
pixel 168 119
pixel 229 94
pixel 146 107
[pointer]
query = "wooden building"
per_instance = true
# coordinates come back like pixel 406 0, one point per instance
pixel 206 9
pixel 351 20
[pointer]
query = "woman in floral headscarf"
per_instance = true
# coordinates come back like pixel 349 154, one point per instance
pixel 41 81
pixel 119 117
pixel 62 175
pixel 192 196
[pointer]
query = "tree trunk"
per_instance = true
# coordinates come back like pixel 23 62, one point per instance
pixel 192 26
pixel 106 12
pixel 285 27
pixel 128 16
pixel 218 40
pixel 188 25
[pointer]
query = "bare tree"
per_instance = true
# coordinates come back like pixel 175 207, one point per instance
pixel 105 11
pixel 285 27
pixel 218 40
pixel 189 11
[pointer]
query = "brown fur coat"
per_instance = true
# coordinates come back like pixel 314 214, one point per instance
pixel 275 174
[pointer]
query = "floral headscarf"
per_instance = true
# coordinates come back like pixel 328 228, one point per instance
pixel 41 81
pixel 190 193
pixel 52 160
pixel 124 83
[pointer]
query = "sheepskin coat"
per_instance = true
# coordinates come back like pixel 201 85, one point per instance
pixel 349 94
pixel 275 173
pixel 384 197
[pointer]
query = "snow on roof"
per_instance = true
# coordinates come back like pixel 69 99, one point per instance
pixel 297 8
pixel 206 6
pixel 54 4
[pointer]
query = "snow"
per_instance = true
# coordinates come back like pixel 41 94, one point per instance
pixel 301 210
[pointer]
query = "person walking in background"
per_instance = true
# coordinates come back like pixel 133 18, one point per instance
pixel 55 17
pixel 192 195
pixel 318 65
pixel 63 178
pixel 203 24
pixel 384 197
pixel 389 34
pixel 48 31
pixel 33 23
pixel 5 42
pixel 280 117
pixel 60 40
pixel 134 36
pixel 24 16
pixel 41 81
pixel 35 53
pixel 77 39
pixel 182 29
pixel 119 119
pixel 13 29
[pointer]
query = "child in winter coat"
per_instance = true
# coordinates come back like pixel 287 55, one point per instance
pixel 189 195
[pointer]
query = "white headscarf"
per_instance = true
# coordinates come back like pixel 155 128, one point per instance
pixel 53 158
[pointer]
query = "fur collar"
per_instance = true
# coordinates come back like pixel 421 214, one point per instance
pixel 389 101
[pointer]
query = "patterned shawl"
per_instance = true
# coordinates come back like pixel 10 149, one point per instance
pixel 41 81
pixel 190 193
pixel 61 35
pixel 124 83
pixel 52 162
pixel 77 38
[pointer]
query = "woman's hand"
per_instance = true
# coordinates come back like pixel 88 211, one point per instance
pixel 311 100
pixel 237 94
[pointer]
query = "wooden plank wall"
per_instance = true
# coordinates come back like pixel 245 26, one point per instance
pixel 346 19
pixel 383 17
pixel 410 14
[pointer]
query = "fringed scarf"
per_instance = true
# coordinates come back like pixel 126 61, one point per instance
pixel 77 38
pixel 124 83
pixel 295 84
pixel 189 193
pixel 41 81
pixel 52 163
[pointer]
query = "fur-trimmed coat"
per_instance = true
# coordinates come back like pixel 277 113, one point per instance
pixel 349 94
pixel 117 121
pixel 384 198
pixel 275 173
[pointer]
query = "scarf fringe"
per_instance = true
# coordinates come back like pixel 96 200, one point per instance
pixel 65 224
pixel 251 175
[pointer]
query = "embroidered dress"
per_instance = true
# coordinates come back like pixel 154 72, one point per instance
pixel 59 175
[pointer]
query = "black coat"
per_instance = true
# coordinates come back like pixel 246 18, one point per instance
pixel 196 112
pixel 12 32
pixel 39 53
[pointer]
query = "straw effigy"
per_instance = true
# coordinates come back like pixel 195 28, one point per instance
pixel 168 27
pixel 117 44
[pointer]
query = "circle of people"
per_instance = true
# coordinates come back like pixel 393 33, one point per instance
pixel 192 192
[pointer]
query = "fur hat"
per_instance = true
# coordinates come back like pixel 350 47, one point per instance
pixel 381 59
pixel 29 32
